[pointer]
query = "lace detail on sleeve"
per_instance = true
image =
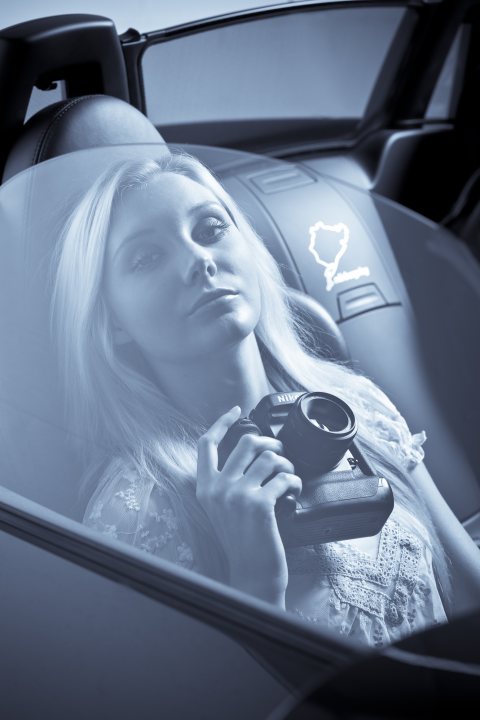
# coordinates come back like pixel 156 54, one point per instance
pixel 137 512
pixel 391 428
pixel 161 533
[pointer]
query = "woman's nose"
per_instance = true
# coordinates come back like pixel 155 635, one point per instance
pixel 198 264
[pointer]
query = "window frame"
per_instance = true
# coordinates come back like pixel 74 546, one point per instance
pixel 321 135
pixel 263 628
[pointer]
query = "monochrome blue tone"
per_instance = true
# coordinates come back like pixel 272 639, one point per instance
pixel 239 352
pixel 143 15
pixel 314 65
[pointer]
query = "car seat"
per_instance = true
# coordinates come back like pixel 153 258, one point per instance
pixel 39 457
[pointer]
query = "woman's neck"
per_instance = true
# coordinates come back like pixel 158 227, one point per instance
pixel 205 388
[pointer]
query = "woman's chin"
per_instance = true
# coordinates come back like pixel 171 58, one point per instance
pixel 229 331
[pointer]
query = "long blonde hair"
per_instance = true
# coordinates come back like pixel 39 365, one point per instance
pixel 115 404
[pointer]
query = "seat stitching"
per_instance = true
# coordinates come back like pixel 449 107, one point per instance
pixel 45 138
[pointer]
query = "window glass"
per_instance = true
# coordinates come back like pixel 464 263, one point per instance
pixel 320 64
pixel 42 98
pixel 150 660
pixel 44 454
pixel 125 239
pixel 447 90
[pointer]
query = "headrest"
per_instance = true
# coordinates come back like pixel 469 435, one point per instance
pixel 324 331
pixel 79 123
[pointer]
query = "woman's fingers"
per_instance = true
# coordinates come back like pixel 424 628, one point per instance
pixel 283 482
pixel 255 464
pixel 208 443
pixel 248 448
pixel 264 466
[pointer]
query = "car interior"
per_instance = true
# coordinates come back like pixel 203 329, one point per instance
pixel 401 304
pixel 407 318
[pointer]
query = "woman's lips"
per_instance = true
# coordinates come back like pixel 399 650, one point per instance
pixel 211 296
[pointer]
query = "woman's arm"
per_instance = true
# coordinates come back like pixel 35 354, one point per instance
pixel 137 512
pixel 458 545
pixel 240 502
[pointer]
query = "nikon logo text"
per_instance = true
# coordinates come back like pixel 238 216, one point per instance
pixel 287 397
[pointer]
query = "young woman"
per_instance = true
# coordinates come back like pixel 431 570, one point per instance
pixel 173 321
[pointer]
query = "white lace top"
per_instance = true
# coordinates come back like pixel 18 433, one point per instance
pixel 374 590
pixel 137 511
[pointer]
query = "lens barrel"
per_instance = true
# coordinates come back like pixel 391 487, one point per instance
pixel 318 432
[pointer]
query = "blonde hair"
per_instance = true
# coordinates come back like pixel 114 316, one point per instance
pixel 112 397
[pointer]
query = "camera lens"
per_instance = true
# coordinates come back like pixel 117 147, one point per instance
pixel 325 413
pixel 318 431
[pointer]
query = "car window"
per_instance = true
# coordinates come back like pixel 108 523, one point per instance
pixel 316 64
pixel 132 655
pixel 43 452
pixel 41 98
pixel 43 457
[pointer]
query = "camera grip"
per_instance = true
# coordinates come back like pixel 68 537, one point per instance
pixel 245 426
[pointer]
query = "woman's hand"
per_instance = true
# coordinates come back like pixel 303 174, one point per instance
pixel 241 506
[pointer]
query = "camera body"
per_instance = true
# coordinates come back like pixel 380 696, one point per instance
pixel 341 497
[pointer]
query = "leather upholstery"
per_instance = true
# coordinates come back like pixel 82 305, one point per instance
pixel 77 124
pixel 329 341
pixel 37 456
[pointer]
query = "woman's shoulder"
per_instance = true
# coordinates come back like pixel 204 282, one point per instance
pixel 136 509
pixel 120 492
pixel 390 427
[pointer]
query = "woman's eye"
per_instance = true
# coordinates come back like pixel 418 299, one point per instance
pixel 145 260
pixel 209 230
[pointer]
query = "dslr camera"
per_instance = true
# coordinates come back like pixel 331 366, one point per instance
pixel 341 498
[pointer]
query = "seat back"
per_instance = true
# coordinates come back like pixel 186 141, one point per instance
pixel 39 456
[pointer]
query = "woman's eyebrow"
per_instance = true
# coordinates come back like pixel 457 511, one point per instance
pixel 205 206
pixel 147 232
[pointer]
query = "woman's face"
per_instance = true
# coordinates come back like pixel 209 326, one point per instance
pixel 179 277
